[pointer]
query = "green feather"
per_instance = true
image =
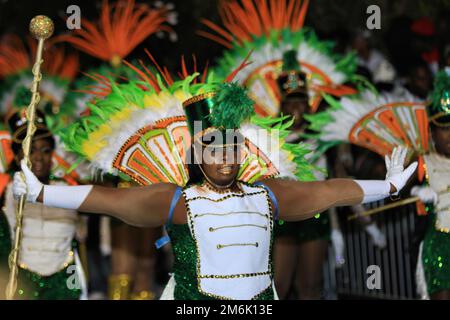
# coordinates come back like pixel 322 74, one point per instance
pixel 441 90
pixel 22 97
pixel 290 62
pixel 231 106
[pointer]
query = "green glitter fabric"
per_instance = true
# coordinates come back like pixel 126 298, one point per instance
pixel 184 266
pixel 316 228
pixel 32 286
pixel 5 239
pixel 5 249
pixel 436 258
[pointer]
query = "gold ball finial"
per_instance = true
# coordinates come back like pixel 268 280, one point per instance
pixel 41 27
pixel 116 61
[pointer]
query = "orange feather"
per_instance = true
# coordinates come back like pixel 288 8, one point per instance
pixel 120 28
pixel 244 19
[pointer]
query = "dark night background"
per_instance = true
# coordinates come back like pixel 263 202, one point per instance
pixel 332 19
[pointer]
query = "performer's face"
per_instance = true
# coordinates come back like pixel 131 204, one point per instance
pixel 295 107
pixel 441 138
pixel 41 158
pixel 221 164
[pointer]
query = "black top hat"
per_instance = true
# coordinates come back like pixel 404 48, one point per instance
pixel 17 123
pixel 214 118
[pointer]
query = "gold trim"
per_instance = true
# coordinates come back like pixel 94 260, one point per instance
pixel 198 215
pixel 437 116
pixel 221 246
pixel 190 223
pixel 22 129
pixel 234 276
pixel 211 229
pixel 443 230
pixel 210 187
pixel 70 260
pixel 226 197
pixel 119 286
pixel 198 98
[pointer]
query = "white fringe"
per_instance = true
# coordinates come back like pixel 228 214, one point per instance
pixel 421 282
pixel 170 288
pixel 81 277
pixel 354 109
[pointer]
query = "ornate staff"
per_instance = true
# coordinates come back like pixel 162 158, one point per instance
pixel 387 207
pixel 41 27
pixel 383 208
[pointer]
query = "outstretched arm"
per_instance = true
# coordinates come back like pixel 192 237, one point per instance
pixel 302 200
pixel 140 206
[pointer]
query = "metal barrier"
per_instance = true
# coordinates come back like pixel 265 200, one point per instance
pixel 396 261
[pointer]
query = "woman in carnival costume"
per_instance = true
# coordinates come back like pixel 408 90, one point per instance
pixel 49 264
pixel 433 272
pixel 380 123
pixel 290 70
pixel 16 62
pixel 50 268
pixel 218 216
pixel 120 28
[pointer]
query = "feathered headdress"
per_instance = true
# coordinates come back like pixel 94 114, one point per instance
pixel 120 28
pixel 16 56
pixel 16 62
pixel 141 131
pixel 439 108
pixel 375 122
pixel 269 28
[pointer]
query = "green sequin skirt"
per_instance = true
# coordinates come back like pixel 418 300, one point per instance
pixel 5 238
pixel 58 286
pixel 316 228
pixel 31 286
pixel 436 259
pixel 5 249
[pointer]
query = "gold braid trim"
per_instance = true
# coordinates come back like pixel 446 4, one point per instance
pixel 198 98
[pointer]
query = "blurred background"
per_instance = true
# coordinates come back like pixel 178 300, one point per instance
pixel 335 20
pixel 413 42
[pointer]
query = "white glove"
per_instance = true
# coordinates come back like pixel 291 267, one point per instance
pixel 395 173
pixel 375 190
pixel 426 194
pixel 65 197
pixel 26 183
pixel 337 239
pixel 378 237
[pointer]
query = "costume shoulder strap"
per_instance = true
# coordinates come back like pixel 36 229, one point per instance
pixel 271 196
pixel 176 197
pixel 173 204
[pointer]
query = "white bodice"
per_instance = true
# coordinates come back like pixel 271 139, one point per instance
pixel 233 235
pixel 47 234
pixel 438 170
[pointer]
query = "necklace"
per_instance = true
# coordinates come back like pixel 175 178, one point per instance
pixel 220 189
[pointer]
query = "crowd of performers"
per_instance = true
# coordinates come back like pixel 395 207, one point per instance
pixel 227 176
